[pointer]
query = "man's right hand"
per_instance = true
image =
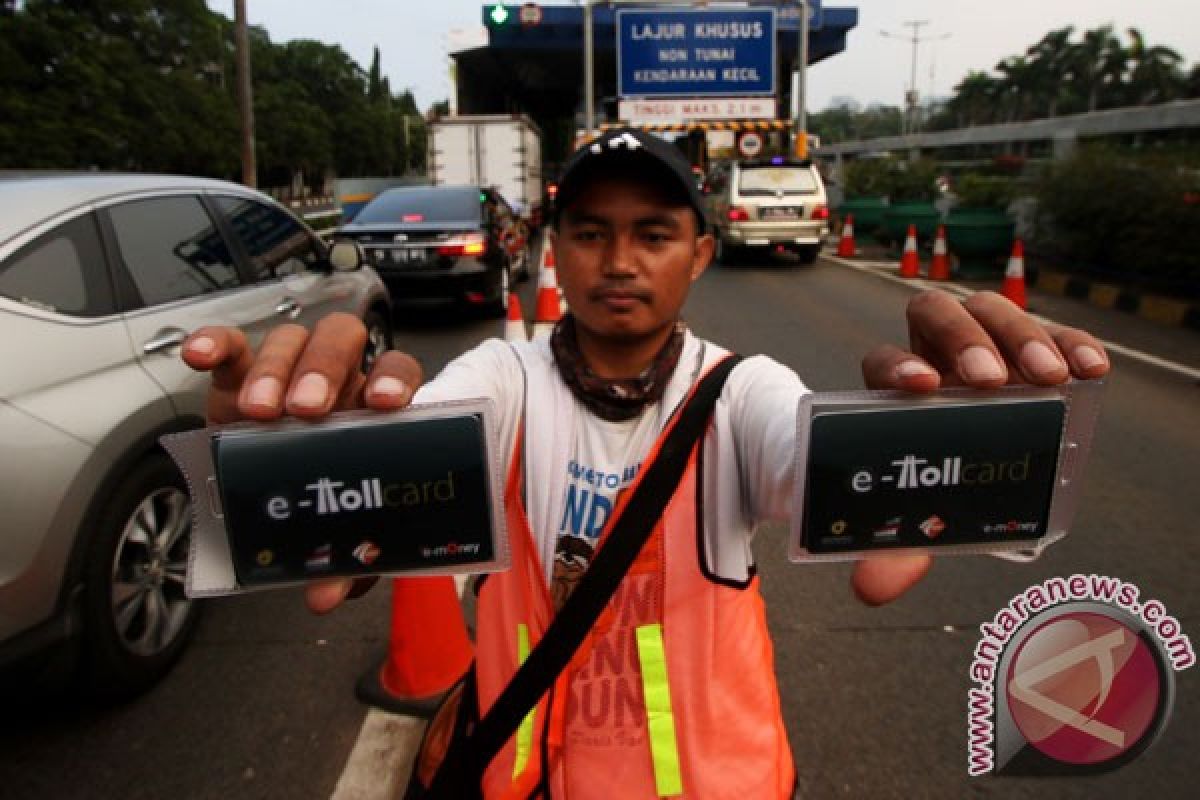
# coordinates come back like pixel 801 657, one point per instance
pixel 304 375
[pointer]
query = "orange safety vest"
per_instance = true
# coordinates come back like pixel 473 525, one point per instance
pixel 673 694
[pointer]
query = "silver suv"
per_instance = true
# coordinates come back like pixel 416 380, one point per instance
pixel 774 204
pixel 101 278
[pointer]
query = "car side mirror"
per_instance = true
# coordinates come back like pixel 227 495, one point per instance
pixel 346 256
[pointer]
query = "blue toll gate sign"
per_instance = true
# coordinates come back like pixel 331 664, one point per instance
pixel 726 52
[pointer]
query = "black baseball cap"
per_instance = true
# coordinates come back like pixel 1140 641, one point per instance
pixel 644 155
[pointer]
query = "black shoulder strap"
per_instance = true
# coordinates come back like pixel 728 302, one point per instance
pixel 571 624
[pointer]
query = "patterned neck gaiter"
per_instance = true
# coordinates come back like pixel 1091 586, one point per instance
pixel 620 399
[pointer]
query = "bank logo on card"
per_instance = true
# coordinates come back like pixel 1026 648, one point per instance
pixel 933 526
pixel 1075 677
pixel 320 559
pixel 889 530
pixel 366 553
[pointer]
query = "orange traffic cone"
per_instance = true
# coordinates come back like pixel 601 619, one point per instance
pixel 939 267
pixel 514 325
pixel 547 313
pixel 1014 276
pixel 549 277
pixel 428 651
pixel 845 248
pixel 910 266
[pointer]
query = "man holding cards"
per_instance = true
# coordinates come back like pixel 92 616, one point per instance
pixel 672 692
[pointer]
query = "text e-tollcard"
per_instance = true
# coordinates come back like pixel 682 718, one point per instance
pixel 931 475
pixel 308 503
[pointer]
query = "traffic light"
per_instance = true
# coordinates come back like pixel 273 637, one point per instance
pixel 499 14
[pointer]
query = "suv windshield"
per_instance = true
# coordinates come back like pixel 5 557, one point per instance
pixel 769 180
pixel 426 204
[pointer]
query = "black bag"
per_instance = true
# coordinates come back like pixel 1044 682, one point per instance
pixel 458 746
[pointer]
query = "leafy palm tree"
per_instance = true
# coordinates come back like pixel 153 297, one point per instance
pixel 1157 74
pixel 1019 82
pixel 1098 66
pixel 1050 62
pixel 974 99
pixel 1191 84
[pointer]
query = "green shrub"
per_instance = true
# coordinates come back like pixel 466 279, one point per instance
pixel 901 181
pixel 914 181
pixel 868 177
pixel 1136 219
pixel 984 191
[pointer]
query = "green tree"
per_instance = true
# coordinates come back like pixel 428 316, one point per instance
pixel 142 85
pixel 1050 62
pixel 973 103
pixel 1098 66
pixel 377 89
pixel 1191 84
pixel 1156 76
pixel 1019 82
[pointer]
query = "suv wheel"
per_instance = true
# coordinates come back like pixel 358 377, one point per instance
pixel 379 338
pixel 808 253
pixel 137 618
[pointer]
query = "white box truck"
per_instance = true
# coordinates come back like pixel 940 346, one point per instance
pixel 503 151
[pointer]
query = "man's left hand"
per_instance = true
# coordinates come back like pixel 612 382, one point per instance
pixel 984 342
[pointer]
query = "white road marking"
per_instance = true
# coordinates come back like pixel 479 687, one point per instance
pixel 920 284
pixel 382 757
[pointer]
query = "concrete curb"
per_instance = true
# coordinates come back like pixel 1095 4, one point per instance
pixel 1156 308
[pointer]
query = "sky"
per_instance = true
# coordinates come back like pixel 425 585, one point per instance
pixel 413 37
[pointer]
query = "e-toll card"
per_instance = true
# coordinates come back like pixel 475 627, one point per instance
pixel 936 475
pixel 311 502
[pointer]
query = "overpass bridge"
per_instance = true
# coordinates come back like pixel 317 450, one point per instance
pixel 1052 137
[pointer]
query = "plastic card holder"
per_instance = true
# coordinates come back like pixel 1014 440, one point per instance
pixel 959 471
pixel 414 492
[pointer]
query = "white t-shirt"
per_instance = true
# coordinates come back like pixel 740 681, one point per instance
pixel 753 450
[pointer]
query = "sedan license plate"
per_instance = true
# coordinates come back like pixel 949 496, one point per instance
pixel 408 255
pixel 780 212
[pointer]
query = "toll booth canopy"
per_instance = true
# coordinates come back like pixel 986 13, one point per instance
pixel 533 63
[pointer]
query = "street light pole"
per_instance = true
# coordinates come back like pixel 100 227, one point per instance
pixel 589 67
pixel 801 146
pixel 910 97
pixel 245 93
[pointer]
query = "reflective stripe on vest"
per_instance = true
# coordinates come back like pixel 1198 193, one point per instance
pixel 660 720
pixel 525 732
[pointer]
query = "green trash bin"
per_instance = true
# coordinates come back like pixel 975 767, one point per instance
pixel 899 216
pixel 980 239
pixel 867 211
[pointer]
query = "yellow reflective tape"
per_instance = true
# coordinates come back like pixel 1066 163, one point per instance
pixel 660 721
pixel 525 732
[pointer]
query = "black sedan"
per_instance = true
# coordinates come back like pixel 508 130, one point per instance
pixel 436 244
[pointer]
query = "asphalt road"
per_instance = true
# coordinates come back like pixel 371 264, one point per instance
pixel 261 706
